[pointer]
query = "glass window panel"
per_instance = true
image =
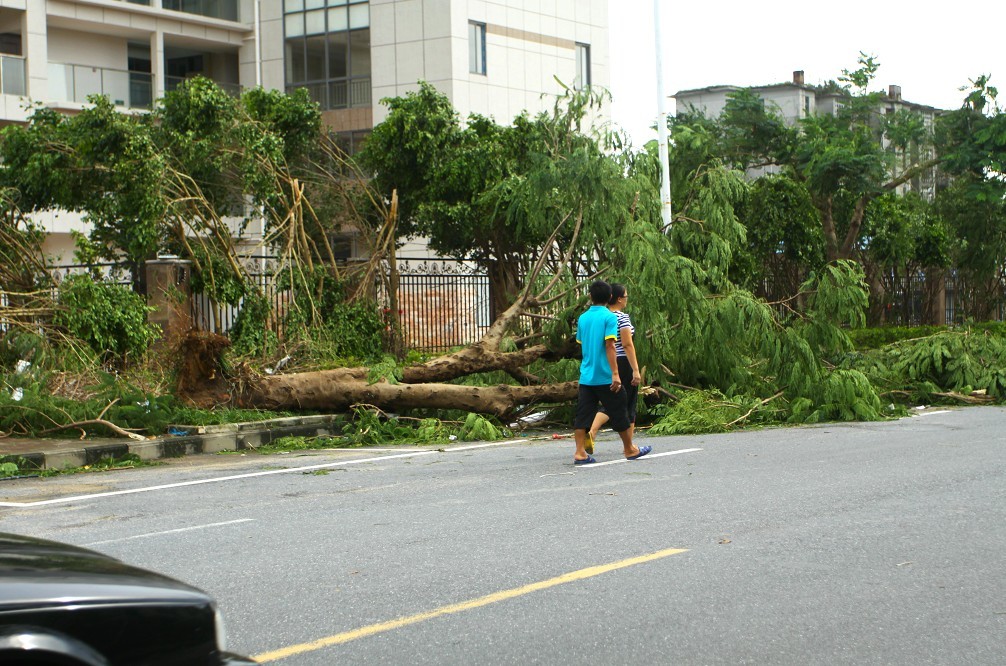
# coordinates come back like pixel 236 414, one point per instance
pixel 337 20
pixel 336 3
pixel 313 4
pixel 359 52
pixel 314 22
pixel 582 66
pixel 316 58
pixel 296 68
pixel 477 48
pixel 359 16
pixel 295 25
pixel 293 5
pixel 12 75
pixel 338 54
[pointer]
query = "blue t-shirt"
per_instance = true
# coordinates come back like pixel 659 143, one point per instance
pixel 594 327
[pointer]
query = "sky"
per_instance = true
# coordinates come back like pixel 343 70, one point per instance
pixel 930 50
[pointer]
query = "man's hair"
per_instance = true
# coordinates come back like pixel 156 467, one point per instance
pixel 600 292
pixel 617 291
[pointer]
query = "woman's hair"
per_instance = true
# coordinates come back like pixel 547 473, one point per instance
pixel 617 291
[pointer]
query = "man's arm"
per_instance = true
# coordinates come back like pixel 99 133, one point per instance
pixel 609 349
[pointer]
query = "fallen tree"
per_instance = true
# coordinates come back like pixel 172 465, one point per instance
pixel 422 385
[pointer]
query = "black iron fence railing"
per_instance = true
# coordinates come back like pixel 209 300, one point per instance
pixel 442 303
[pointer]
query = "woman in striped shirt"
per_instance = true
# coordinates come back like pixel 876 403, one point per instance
pixel 628 367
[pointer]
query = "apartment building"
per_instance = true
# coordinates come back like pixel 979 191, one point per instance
pixel 793 100
pixel 492 57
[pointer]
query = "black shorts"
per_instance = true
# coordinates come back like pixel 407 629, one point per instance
pixel 631 392
pixel 614 406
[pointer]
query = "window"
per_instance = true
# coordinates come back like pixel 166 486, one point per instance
pixel 582 79
pixel 476 47
pixel 221 9
pixel 328 50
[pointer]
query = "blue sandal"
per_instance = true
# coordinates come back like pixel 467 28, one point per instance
pixel 643 450
pixel 586 461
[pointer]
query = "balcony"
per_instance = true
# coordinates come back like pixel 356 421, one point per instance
pixel 12 75
pixel 342 94
pixel 74 83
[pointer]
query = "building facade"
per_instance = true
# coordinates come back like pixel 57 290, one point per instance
pixel 492 57
pixel 794 100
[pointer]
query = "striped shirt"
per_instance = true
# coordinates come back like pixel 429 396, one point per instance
pixel 623 322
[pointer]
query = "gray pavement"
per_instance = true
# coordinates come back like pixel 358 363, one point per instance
pixel 867 543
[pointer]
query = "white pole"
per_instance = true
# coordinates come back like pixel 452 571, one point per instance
pixel 258 44
pixel 665 167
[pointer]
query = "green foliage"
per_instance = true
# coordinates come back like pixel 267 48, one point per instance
pixel 481 429
pixel 299 443
pixel 903 233
pixel 784 234
pixel 101 162
pixel 192 416
pixel 250 335
pixel 700 412
pixel 11 466
pixel 495 193
pixel 321 314
pixel 387 369
pixel 844 395
pixel 119 401
pixel 107 464
pixel 355 329
pixel 110 318
pixel 954 361
pixel 875 338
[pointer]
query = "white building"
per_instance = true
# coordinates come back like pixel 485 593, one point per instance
pixel 793 100
pixel 492 57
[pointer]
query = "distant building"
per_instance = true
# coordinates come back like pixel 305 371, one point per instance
pixel 794 100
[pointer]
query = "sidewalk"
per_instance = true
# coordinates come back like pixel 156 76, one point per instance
pixel 68 452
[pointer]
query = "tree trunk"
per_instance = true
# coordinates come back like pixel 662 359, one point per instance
pixel 421 385
pixel 330 390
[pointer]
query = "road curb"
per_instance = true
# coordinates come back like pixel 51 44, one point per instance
pixel 60 454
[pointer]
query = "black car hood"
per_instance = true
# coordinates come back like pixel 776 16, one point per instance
pixel 35 570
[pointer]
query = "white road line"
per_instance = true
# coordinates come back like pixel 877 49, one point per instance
pixel 484 446
pixel 643 459
pixel 181 529
pixel 234 477
pixel 941 411
pixel 287 470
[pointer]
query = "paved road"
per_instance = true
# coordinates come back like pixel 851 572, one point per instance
pixel 872 543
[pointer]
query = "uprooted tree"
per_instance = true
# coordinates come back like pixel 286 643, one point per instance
pixel 599 209
pixel 545 205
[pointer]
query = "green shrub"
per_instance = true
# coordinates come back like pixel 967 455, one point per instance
pixel 110 318
pixel 875 338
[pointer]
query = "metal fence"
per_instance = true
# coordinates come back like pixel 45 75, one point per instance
pixel 213 317
pixel 442 303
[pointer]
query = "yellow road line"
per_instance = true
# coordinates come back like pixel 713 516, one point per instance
pixel 380 627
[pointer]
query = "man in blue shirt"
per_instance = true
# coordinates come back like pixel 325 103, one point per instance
pixel 596 331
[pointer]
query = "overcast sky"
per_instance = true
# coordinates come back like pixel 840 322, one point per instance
pixel 930 50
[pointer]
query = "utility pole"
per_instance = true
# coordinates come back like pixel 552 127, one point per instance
pixel 665 167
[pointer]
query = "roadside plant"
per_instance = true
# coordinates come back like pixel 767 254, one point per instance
pixel 110 318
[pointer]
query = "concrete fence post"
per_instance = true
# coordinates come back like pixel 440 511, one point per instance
pixel 170 294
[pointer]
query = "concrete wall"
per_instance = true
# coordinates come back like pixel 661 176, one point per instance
pixel 528 44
